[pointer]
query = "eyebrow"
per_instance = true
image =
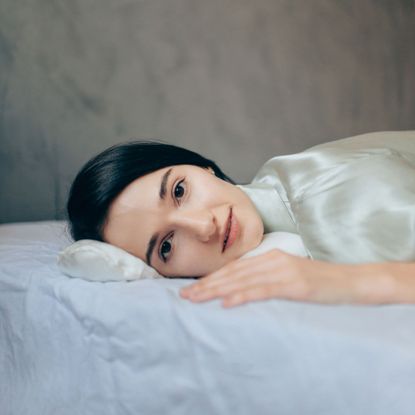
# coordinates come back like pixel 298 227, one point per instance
pixel 162 195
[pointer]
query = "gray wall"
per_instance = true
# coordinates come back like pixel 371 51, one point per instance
pixel 237 80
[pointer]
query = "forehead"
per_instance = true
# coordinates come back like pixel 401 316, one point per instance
pixel 147 189
pixel 140 195
pixel 134 213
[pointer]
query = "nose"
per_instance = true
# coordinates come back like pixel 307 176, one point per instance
pixel 201 222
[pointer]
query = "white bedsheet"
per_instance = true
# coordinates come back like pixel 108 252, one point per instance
pixel 69 346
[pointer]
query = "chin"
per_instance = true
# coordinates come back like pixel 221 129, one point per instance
pixel 256 239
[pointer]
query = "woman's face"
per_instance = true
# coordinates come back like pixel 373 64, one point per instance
pixel 177 218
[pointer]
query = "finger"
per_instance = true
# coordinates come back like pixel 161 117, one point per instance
pixel 228 271
pixel 235 270
pixel 262 274
pixel 232 277
pixel 230 287
pixel 240 268
pixel 208 290
pixel 265 292
pixel 254 293
pixel 229 268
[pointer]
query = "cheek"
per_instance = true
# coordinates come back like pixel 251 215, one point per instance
pixel 196 259
pixel 211 192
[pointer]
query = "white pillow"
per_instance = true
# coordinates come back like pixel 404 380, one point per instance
pixel 99 261
pixel 285 241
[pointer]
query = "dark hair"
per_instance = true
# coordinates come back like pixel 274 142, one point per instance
pixel 103 178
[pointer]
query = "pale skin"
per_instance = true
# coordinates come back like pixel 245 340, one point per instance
pixel 277 274
pixel 192 219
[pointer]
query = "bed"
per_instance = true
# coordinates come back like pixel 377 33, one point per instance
pixel 70 346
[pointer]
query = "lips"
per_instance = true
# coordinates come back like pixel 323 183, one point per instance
pixel 227 230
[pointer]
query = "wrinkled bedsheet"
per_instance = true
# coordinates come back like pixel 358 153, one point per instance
pixel 68 346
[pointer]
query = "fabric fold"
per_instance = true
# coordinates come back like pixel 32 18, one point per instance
pixel 350 200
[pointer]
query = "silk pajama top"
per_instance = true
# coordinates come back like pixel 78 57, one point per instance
pixel 350 200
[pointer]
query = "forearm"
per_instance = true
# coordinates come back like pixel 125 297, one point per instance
pixel 383 283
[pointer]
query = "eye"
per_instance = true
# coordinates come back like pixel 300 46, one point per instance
pixel 179 190
pixel 166 246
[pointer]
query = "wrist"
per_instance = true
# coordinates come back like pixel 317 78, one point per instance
pixel 376 283
pixel 403 276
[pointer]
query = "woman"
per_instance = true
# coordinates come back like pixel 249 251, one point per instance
pixel 352 201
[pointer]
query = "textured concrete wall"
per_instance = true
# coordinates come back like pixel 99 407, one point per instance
pixel 237 80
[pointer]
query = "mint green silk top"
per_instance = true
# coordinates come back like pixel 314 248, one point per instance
pixel 350 200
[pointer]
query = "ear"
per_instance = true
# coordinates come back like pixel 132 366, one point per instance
pixel 211 170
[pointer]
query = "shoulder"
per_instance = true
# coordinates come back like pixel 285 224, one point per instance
pixel 325 167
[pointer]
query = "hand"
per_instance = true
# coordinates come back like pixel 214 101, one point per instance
pixel 277 274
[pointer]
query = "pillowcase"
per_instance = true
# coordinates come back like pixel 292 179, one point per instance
pixel 99 261
pixel 285 241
